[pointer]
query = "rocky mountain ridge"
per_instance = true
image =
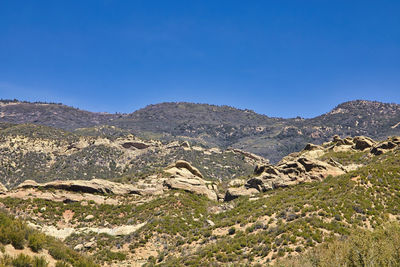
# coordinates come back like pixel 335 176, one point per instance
pixel 221 126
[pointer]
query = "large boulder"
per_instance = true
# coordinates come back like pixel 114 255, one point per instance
pixel 193 185
pixel 183 168
pixel 362 142
pixel 236 192
pixel 183 176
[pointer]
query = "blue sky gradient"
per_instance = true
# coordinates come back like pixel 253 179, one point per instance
pixel 279 58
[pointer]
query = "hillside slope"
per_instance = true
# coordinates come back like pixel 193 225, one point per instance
pixel 184 227
pixel 42 153
pixel 222 126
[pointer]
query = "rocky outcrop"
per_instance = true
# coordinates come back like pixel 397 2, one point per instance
pixel 362 142
pixel 3 189
pixel 252 156
pixel 137 145
pixel 307 166
pixel 183 176
pixel 299 170
pixel 63 233
pixel 236 192
pixel 385 146
pixel 98 186
pixel 181 167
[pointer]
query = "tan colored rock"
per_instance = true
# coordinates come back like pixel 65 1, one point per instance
pixel 362 142
pixel 195 185
pixel 28 184
pixel 186 177
pixel 236 182
pixel 297 170
pixel 385 146
pixel 3 189
pixel 86 186
pixel 236 192
pixel 311 147
pixel 183 166
pixel 252 156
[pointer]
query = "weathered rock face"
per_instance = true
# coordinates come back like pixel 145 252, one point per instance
pixel 236 192
pixel 186 177
pixel 92 186
pixel 362 142
pixel 299 170
pixel 385 146
pixel 3 189
pixel 305 166
pixel 251 156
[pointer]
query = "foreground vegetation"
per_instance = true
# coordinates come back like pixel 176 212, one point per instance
pixel 19 235
pixel 380 247
pixel 299 225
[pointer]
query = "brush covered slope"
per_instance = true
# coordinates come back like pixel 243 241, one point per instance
pixel 21 245
pixel 44 154
pixel 221 126
pixel 183 224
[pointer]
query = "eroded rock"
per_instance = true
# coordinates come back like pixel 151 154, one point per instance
pixel 184 176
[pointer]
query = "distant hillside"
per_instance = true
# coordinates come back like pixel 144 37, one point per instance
pixel 222 126
pixel 51 114
pixel 44 154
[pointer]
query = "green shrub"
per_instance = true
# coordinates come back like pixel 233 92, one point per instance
pixel 22 260
pixel 36 241
pixel 40 262
pixel 17 239
pixel 62 264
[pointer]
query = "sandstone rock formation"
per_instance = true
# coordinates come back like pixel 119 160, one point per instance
pixel 99 186
pixel 235 192
pixel 385 146
pixel 182 175
pixel 3 189
pixel 299 170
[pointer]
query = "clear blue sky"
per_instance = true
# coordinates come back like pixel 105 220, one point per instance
pixel 280 58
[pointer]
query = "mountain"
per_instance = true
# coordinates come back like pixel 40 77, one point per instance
pixel 221 126
pixel 51 114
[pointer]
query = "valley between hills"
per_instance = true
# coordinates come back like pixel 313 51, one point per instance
pixel 182 184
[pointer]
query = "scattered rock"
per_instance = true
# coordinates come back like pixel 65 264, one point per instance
pixel 211 223
pixel 79 247
pixel 89 217
pixel 89 245
pixel 236 192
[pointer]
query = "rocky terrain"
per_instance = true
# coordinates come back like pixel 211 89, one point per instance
pixel 220 126
pixel 174 184
pixel 175 216
pixel 41 153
